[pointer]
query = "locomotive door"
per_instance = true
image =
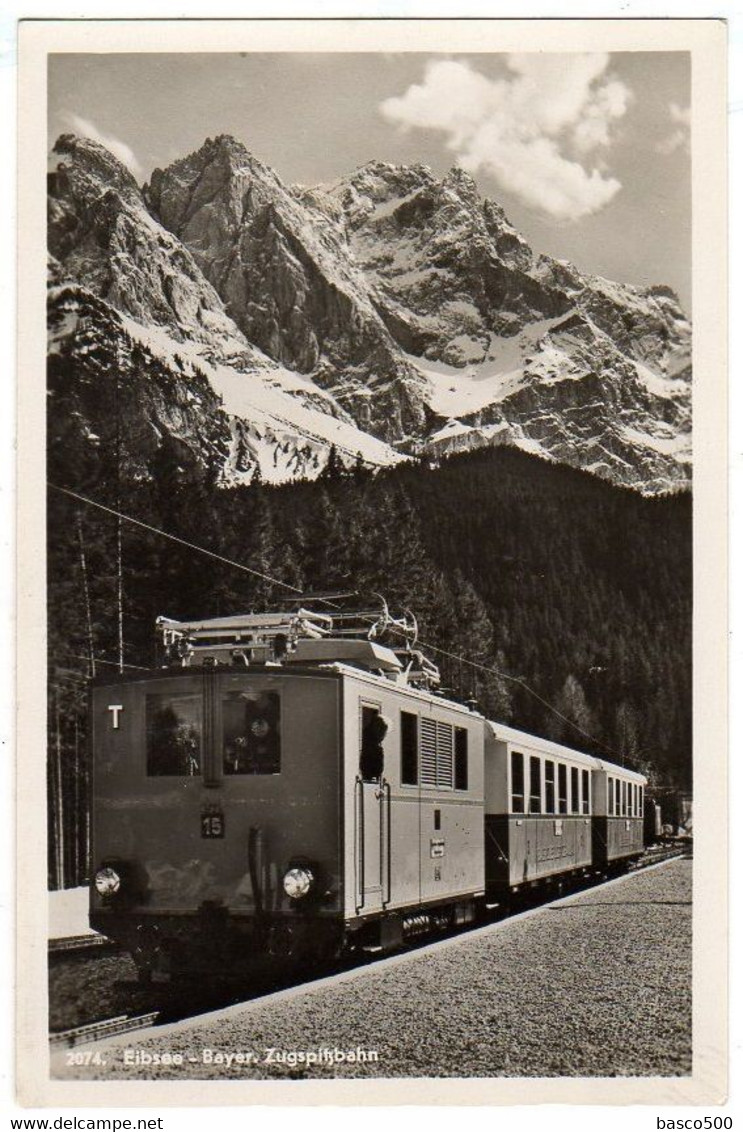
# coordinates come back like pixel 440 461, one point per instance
pixel 372 814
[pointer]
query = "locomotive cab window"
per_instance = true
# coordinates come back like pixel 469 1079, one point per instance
pixel 251 732
pixel 373 731
pixel 517 782
pixel 460 758
pixel 408 749
pixel 174 729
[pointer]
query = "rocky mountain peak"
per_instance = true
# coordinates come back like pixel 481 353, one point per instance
pixel 84 167
pixel 406 305
pixel 101 234
pixel 460 182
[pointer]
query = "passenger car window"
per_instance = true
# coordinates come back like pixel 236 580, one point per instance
pixel 586 800
pixel 517 782
pixel 549 787
pixel 251 732
pixel 174 731
pixel 535 785
pixel 562 788
pixel 574 799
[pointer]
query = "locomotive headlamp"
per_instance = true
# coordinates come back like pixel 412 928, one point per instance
pixel 107 882
pixel 298 881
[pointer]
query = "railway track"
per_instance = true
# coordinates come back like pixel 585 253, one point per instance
pixel 72 943
pixel 106 1028
pixel 124 1023
pixel 656 855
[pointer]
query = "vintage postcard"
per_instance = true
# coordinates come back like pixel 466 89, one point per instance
pixel 372 434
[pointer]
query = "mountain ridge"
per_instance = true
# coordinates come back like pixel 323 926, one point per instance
pixel 404 308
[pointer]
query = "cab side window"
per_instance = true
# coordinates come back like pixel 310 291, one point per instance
pixel 408 748
pixel 373 731
pixel 460 758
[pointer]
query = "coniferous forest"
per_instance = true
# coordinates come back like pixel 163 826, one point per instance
pixel 573 593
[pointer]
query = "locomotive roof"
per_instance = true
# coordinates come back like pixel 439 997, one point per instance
pixel 334 670
pixel 547 746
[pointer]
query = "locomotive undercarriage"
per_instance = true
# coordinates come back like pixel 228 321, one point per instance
pixel 213 944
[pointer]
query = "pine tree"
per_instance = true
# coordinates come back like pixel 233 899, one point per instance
pixel 334 469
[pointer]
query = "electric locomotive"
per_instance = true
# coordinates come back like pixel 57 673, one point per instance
pixel 291 784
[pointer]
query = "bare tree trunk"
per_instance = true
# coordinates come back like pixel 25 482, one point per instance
pixel 86 596
pixel 119 573
pixel 77 815
pixel 59 799
pixel 119 595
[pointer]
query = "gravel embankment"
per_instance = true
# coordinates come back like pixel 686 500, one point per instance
pixel 89 985
pixel 599 985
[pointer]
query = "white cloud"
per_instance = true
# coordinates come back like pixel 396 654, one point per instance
pixel 118 148
pixel 542 133
pixel 680 137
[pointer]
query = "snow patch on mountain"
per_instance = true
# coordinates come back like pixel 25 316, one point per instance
pixel 288 424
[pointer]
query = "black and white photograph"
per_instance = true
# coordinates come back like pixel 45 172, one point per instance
pixel 380 739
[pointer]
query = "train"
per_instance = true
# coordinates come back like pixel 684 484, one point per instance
pixel 287 786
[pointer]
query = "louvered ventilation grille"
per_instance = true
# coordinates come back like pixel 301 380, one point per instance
pixel 444 752
pixel 428 752
pixel 437 753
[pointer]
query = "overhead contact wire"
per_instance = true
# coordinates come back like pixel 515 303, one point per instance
pixel 522 683
pixel 296 589
pixel 174 538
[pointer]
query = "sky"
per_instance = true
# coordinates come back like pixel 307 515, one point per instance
pixel 589 154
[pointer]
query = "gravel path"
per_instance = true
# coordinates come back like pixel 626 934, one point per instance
pixel 598 985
